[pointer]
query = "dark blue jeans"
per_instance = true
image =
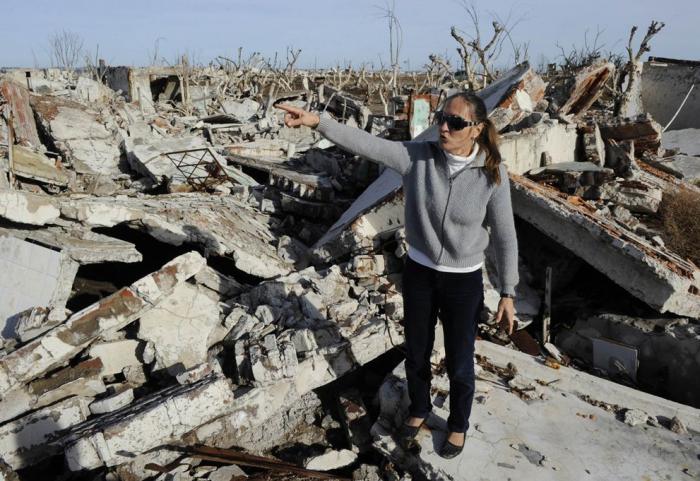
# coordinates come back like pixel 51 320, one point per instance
pixel 458 299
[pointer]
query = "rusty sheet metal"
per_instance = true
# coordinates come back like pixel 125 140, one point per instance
pixel 524 341
pixel 588 87
pixel 22 117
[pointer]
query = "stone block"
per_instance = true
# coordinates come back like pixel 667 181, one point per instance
pixel 113 402
pixel 116 356
pixel 181 328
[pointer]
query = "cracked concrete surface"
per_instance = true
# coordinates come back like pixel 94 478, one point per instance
pixel 558 436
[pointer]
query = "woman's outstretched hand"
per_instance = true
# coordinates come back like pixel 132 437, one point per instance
pixel 295 117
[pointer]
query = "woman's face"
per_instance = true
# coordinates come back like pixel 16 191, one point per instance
pixel 459 142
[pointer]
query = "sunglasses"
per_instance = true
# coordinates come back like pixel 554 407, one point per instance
pixel 454 122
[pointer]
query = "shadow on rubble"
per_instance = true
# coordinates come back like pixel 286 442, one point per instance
pixel 95 281
pixel 577 288
pixel 361 384
pixel 28 436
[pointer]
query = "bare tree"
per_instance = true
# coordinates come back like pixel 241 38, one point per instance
pixel 438 72
pixel 388 11
pixel 477 56
pixel 628 103
pixel 92 65
pixel 65 48
pixel 579 57
pixel 154 56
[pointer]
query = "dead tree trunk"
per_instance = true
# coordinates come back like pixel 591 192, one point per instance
pixel 629 103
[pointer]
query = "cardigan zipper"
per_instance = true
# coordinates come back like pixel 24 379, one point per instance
pixel 444 214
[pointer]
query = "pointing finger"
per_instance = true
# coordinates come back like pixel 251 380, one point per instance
pixel 290 108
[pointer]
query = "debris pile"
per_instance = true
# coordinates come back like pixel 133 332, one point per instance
pixel 180 269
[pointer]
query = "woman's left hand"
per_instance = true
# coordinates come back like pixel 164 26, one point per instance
pixel 505 316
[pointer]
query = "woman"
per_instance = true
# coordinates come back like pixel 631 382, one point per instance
pixel 453 188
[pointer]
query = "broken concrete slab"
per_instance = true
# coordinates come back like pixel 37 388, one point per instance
pixel 35 277
pixel 155 420
pixel 30 439
pixel 593 145
pixel 520 101
pixel 540 451
pixel 314 371
pixel 242 110
pixel 652 274
pixel 186 314
pixel 637 196
pixel 181 161
pixel 90 369
pixel 27 208
pixel 113 402
pixel 35 321
pixel 222 225
pixel 270 149
pixel 79 134
pixel 523 150
pixel 223 285
pixel 83 380
pixel 89 90
pixel 364 233
pixel 78 243
pixel 109 314
pixel 308 186
pixel 270 361
pixel 117 355
pixel 29 164
pixel 22 117
pixel 588 85
pixel 643 130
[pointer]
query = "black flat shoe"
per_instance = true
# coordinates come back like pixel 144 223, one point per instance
pixel 449 450
pixel 406 436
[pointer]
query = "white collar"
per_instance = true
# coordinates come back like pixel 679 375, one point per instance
pixel 461 159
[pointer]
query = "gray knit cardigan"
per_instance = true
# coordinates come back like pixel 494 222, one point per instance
pixel 446 216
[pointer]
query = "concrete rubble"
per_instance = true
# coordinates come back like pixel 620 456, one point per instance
pixel 528 418
pixel 184 276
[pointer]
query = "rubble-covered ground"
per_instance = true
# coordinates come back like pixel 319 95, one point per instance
pixel 191 290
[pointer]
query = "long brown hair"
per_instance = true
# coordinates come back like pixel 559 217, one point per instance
pixel 488 138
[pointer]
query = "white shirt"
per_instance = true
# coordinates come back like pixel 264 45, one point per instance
pixel 455 164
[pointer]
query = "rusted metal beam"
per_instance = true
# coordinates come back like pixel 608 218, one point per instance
pixel 230 456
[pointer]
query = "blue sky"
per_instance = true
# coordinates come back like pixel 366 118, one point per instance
pixel 329 31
